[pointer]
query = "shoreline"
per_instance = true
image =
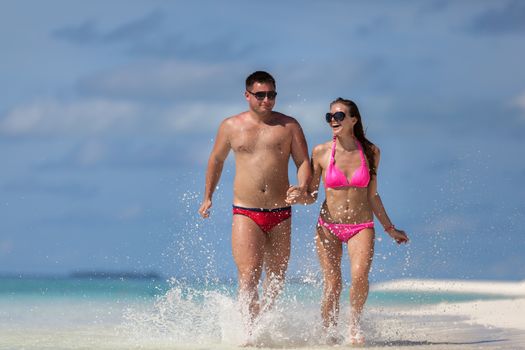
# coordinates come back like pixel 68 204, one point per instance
pixel 503 288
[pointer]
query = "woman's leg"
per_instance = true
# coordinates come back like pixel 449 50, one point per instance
pixel 361 252
pixel 329 250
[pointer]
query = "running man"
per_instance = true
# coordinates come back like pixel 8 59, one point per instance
pixel 262 141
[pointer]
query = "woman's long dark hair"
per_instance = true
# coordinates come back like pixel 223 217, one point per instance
pixel 359 133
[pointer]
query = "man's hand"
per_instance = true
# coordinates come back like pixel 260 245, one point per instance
pixel 294 194
pixel 204 210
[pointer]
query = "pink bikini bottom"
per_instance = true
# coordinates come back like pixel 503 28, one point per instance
pixel 345 231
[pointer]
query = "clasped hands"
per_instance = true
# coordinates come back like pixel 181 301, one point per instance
pixel 295 194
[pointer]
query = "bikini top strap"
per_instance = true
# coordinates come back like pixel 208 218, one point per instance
pixel 332 159
pixel 361 151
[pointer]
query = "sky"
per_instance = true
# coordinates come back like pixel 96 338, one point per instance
pixel 109 109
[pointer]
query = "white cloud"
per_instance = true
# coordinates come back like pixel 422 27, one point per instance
pixel 166 80
pixel 199 117
pixel 99 116
pixel 86 116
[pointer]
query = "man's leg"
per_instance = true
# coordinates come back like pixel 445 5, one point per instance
pixel 276 257
pixel 248 252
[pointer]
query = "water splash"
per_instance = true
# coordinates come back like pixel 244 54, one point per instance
pixel 185 315
pixel 208 315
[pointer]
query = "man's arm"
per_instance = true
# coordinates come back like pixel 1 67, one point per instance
pixel 218 155
pixel 300 157
pixel 294 195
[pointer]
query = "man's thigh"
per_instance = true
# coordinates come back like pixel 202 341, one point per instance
pixel 248 242
pixel 277 247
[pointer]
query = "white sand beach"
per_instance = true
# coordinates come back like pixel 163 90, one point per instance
pixel 455 286
pixel 505 313
pixel 479 324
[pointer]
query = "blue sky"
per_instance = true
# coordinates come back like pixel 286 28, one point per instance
pixel 108 112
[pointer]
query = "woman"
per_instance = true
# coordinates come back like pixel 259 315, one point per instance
pixel 348 165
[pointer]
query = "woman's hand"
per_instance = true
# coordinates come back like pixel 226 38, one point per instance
pixel 398 235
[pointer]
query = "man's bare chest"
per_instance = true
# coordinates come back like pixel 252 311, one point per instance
pixel 254 140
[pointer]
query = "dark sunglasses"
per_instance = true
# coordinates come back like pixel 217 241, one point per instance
pixel 337 116
pixel 260 95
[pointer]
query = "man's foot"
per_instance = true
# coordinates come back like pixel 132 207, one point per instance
pixel 334 339
pixel 248 341
pixel 331 336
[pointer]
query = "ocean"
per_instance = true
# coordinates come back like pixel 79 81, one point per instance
pixel 128 313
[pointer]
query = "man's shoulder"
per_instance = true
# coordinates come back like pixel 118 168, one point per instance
pixel 286 120
pixel 233 120
pixel 284 117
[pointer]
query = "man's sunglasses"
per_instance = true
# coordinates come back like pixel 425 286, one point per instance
pixel 337 116
pixel 260 95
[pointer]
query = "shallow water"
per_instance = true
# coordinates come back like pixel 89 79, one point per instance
pixel 66 313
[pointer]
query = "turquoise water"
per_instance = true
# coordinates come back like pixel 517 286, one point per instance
pixel 13 287
pixel 149 289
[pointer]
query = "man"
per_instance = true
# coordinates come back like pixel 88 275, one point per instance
pixel 262 141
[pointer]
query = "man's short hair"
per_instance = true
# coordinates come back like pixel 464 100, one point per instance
pixel 259 77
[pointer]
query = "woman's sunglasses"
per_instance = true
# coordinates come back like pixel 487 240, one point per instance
pixel 260 95
pixel 337 116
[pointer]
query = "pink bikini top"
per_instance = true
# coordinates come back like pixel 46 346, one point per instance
pixel 336 178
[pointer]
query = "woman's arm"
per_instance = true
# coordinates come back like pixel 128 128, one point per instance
pixel 377 206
